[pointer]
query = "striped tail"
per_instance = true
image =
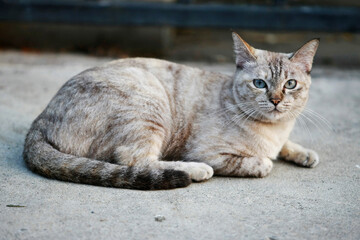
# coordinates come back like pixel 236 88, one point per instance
pixel 42 158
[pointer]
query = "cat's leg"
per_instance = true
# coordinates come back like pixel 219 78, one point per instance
pixel 145 152
pixel 302 156
pixel 228 164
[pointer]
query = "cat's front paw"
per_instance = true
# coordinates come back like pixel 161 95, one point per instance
pixel 308 158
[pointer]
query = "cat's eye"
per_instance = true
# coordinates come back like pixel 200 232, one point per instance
pixel 290 84
pixel 259 83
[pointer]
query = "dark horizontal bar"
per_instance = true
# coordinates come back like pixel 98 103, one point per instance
pixel 339 19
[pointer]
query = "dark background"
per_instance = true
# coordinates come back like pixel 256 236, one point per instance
pixel 337 48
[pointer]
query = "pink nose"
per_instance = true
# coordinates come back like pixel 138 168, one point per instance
pixel 275 101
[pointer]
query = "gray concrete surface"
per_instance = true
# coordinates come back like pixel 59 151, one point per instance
pixel 291 203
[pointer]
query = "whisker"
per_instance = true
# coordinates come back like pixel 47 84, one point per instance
pixel 245 111
pixel 319 124
pixel 315 122
pixel 320 118
pixel 242 115
pixel 302 123
pixel 251 112
pixel 226 109
pixel 316 125
pixel 323 131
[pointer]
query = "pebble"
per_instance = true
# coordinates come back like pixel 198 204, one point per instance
pixel 159 218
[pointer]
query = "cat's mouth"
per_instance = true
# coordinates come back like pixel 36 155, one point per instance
pixel 275 112
pixel 274 115
pixel 272 112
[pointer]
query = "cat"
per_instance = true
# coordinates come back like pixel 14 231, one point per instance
pixel 146 124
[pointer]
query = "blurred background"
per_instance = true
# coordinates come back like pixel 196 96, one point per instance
pixel 183 30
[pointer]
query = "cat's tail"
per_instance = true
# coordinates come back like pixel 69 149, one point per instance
pixel 44 159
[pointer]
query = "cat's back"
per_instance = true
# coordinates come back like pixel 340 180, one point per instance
pixel 160 68
pixel 155 79
pixel 167 73
pixel 103 98
pixel 144 74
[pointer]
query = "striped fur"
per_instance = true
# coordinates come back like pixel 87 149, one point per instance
pixel 151 124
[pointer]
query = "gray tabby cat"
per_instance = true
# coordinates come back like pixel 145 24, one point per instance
pixel 151 124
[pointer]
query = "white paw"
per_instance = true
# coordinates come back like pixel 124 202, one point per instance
pixel 198 171
pixel 311 159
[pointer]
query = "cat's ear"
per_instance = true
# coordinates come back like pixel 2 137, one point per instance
pixel 305 54
pixel 244 53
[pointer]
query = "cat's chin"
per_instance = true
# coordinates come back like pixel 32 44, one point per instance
pixel 274 116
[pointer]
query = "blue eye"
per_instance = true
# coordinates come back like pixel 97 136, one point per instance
pixel 291 84
pixel 259 83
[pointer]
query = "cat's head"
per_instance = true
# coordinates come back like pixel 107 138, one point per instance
pixel 271 86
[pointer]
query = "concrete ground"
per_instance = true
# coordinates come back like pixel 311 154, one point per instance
pixel 291 203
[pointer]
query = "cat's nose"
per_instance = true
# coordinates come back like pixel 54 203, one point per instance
pixel 275 101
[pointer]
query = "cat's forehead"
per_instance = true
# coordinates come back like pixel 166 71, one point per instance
pixel 264 57
pixel 273 65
